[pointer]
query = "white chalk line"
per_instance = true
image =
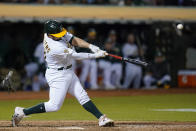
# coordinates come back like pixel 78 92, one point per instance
pixel 177 110
pixel 70 128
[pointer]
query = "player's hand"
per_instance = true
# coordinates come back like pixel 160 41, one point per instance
pixel 94 48
pixel 100 54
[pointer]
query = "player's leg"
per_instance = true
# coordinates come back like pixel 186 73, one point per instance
pixel 85 70
pixel 165 78
pixel 58 90
pixel 117 68
pixel 138 77
pixel 164 81
pixel 93 75
pixel 148 80
pixel 36 85
pixel 42 80
pixel 77 91
pixel 81 95
pixel 129 75
pixel 59 84
pixel 106 66
pixel 74 67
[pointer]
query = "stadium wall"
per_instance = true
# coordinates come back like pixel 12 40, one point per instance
pixel 21 12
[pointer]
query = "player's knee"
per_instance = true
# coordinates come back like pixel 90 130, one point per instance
pixel 51 107
pixel 167 78
pixel 147 78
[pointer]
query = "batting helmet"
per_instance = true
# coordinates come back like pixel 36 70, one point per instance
pixel 54 28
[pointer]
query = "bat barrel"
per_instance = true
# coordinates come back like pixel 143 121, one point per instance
pixel 136 61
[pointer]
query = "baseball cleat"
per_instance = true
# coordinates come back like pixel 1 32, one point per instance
pixel 105 122
pixel 18 116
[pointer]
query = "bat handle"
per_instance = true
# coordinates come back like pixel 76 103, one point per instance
pixel 115 56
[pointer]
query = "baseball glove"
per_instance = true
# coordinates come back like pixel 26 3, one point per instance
pixel 7 82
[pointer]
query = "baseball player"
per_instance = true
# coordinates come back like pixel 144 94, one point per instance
pixel 133 73
pixel 157 75
pixel 39 79
pixel 58 44
pixel 89 66
pixel 112 68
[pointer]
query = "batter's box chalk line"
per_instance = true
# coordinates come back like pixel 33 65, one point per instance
pixel 70 128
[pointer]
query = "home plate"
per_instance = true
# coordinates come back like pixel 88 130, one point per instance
pixel 71 128
pixel 179 110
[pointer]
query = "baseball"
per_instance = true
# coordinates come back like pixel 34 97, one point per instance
pixel 180 26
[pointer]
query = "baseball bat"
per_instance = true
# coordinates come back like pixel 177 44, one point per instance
pixel 133 61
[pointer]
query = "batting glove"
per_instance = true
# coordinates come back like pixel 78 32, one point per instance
pixel 94 48
pixel 100 54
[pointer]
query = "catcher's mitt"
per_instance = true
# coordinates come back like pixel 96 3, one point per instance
pixel 7 82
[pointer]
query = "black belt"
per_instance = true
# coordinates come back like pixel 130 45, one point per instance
pixel 62 68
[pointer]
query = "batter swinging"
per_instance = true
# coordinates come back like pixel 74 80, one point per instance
pixel 61 79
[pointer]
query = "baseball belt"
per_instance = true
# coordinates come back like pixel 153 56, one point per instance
pixel 61 68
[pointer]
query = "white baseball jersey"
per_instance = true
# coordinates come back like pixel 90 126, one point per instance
pixel 60 54
pixel 133 73
pixel 57 53
pixel 129 50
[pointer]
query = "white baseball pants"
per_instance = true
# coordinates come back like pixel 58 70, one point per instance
pixel 133 73
pixel 89 66
pixel 149 79
pixel 108 68
pixel 61 82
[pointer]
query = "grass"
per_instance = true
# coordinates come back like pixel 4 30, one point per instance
pixel 135 108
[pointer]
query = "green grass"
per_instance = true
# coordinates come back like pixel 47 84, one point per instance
pixel 135 108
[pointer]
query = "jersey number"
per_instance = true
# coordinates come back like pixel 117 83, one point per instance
pixel 46 49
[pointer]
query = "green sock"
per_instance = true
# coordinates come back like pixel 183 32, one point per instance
pixel 90 107
pixel 40 108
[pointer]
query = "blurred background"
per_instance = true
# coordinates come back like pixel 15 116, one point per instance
pixel 161 32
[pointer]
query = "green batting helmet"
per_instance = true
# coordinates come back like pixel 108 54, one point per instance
pixel 54 28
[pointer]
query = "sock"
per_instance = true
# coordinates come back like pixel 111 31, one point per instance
pixel 90 107
pixel 40 108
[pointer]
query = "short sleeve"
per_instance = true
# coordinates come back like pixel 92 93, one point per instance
pixel 68 37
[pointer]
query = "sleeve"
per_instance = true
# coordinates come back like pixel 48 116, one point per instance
pixel 62 52
pixel 124 52
pixel 68 37
pixel 130 51
pixel 82 56
pixel 67 52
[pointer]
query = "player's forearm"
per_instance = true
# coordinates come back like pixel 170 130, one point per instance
pixel 80 43
pixel 82 56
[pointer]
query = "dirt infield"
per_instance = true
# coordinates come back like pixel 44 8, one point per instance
pixel 99 93
pixel 92 126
